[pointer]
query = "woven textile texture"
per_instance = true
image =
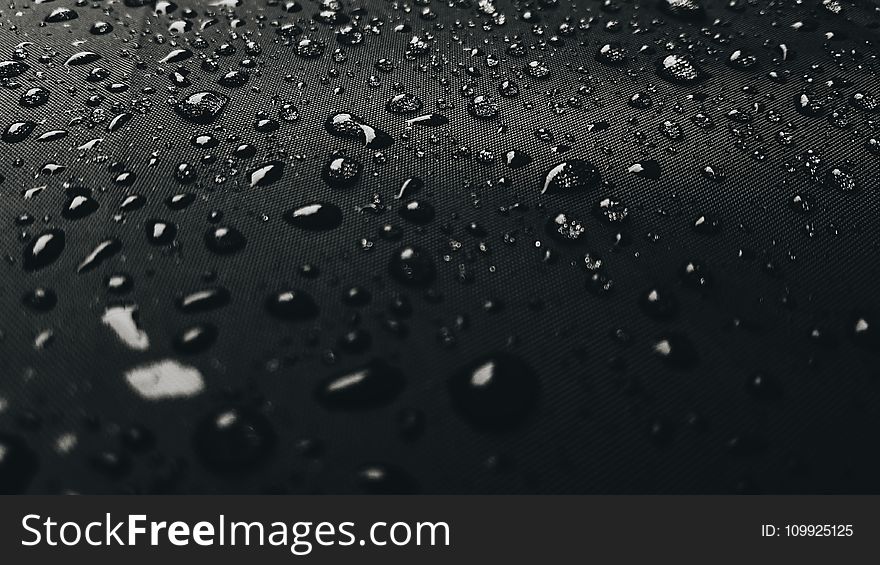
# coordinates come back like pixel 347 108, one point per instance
pixel 495 246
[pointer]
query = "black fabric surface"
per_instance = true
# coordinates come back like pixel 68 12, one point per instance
pixel 778 395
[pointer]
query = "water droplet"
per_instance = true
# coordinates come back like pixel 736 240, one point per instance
pixel 234 440
pixel 195 339
pixel 160 232
pixel 291 305
pixel 417 212
pixel 516 159
pixel 203 300
pixel 483 107
pixel 495 393
pixel 347 125
pixel 412 266
pixel 680 69
pixel 61 14
pixel 316 216
pixel 201 107
pixel 40 299
pixel 82 58
pixel 267 173
pixel 404 104
pixel 18 131
pixel 176 56
pixel 374 385
pixel 571 176
pixel 686 10
pixel 43 249
pixel 224 240
pixel 648 169
pixel 676 351
pixel 18 464
pixel 379 478
pixel 165 380
pixel 11 69
pixel 341 172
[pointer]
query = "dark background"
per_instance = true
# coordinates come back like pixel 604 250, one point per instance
pixel 612 417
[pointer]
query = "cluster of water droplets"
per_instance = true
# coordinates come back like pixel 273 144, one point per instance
pixel 239 91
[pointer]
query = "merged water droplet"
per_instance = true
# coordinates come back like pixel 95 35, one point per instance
pixel 350 126
pixel 840 179
pixel 565 229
